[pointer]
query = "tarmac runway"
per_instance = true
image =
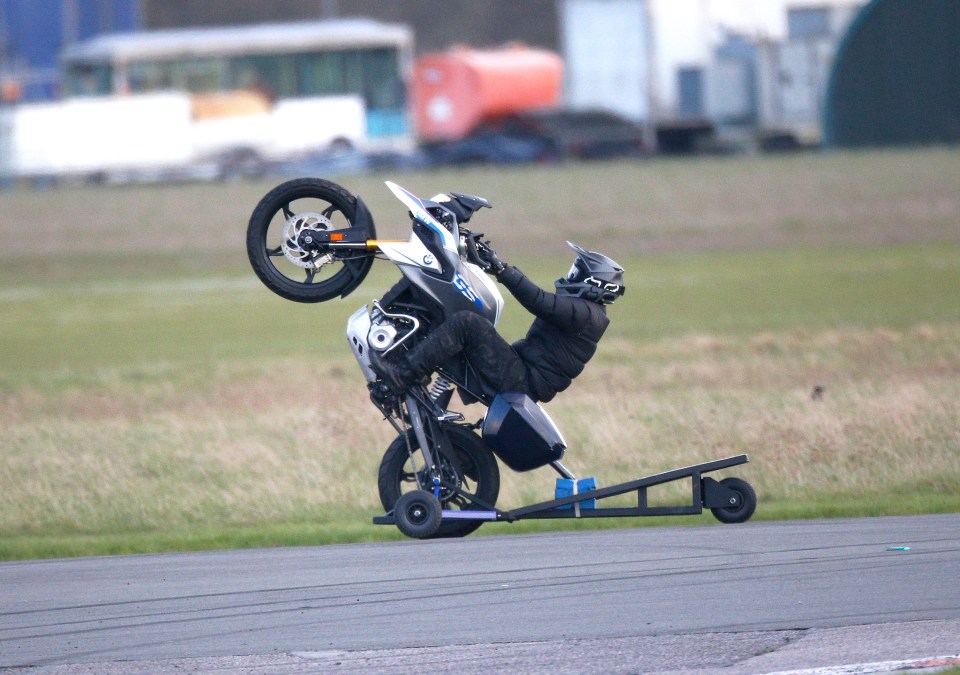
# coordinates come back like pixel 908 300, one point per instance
pixel 759 597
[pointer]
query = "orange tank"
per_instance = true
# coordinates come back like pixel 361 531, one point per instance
pixel 456 90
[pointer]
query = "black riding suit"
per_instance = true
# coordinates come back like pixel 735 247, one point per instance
pixel 562 339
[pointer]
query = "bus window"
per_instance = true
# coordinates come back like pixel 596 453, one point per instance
pixel 197 75
pixel 84 79
pixel 273 75
pixel 319 73
pixel 144 77
pixel 383 87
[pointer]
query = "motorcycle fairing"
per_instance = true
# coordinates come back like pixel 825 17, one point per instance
pixel 358 328
pixel 470 290
pixel 486 288
pixel 430 261
pixel 412 252
pixel 417 209
pixel 452 282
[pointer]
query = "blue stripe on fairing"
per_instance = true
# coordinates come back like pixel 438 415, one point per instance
pixel 427 219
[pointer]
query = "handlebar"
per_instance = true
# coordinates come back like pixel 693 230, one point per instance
pixel 474 246
pixel 473 255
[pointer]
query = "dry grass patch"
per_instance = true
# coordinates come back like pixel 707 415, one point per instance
pixel 888 417
pixel 240 450
pixel 250 446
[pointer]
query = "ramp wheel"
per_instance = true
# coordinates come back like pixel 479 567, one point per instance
pixel 746 502
pixel 418 514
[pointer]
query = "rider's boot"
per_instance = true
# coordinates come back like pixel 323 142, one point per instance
pixel 398 376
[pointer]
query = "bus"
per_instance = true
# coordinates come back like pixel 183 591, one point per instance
pixel 283 62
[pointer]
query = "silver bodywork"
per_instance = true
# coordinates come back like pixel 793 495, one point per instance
pixel 453 283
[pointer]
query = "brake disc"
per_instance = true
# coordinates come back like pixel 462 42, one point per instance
pixel 295 225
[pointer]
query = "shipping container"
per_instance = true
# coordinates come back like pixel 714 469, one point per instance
pixel 792 76
pixel 731 98
pixel 607 47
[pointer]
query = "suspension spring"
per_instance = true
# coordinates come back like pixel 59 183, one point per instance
pixel 439 387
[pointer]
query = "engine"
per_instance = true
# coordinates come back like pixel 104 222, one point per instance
pixel 375 328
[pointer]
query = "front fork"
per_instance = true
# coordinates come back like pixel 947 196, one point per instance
pixel 432 440
pixel 426 419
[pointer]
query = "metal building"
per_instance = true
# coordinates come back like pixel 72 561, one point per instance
pixel 896 78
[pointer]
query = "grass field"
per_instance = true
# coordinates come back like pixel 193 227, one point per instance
pixel 154 396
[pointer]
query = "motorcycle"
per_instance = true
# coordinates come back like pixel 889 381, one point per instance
pixel 310 240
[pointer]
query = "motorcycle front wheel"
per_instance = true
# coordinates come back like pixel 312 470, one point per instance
pixel 471 467
pixel 283 265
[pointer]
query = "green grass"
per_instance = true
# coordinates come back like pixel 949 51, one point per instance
pixel 153 396
pixel 163 323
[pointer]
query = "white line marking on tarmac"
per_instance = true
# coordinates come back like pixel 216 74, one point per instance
pixel 930 664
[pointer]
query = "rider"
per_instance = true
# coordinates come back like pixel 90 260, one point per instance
pixel 562 338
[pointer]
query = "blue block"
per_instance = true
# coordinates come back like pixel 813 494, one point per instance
pixel 565 489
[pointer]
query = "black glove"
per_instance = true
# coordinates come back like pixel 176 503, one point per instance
pixel 490 260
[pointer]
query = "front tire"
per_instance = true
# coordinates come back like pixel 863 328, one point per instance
pixel 276 257
pixel 473 468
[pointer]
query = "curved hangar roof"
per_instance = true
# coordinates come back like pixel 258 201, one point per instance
pixel 896 77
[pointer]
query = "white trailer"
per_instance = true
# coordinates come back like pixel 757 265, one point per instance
pixel 291 128
pixel 156 135
pixel 87 136
pixel 607 49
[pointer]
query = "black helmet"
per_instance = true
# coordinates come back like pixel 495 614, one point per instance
pixel 593 276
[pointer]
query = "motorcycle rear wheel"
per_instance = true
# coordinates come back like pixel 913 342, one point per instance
pixel 281 264
pixel 473 468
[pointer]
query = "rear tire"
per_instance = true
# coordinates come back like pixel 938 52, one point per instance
pixel 473 468
pixel 290 276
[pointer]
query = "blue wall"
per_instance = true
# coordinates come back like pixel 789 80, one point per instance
pixel 35 30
